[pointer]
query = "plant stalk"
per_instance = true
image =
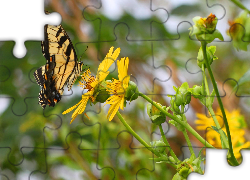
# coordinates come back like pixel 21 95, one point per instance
pixel 186 125
pixel 232 158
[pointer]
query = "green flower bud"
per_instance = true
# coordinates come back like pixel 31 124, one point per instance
pixel 156 116
pixel 176 109
pixel 171 159
pixel 182 97
pixel 187 98
pixel 197 90
pixel 178 100
pixel 158 146
pixel 205 28
pixel 132 91
pixel 184 88
pixel 210 56
pixel 240 31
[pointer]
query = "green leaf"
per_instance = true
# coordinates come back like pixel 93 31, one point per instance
pixel 177 125
pixel 222 143
pixel 218 35
pixel 215 128
pixel 177 176
pixel 184 87
pixel 199 155
pixel 175 88
pixel 244 79
pixel 211 98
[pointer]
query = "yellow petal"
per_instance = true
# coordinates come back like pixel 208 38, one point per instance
pixel 112 111
pixel 110 58
pixel 82 106
pixel 71 108
pixel 115 102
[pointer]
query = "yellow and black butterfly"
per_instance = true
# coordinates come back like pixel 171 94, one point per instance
pixel 62 66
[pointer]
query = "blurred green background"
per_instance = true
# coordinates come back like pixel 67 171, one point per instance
pixel 43 145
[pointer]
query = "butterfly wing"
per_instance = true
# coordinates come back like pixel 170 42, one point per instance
pixel 62 66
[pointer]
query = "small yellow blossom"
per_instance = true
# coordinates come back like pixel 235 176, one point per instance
pixel 117 88
pixel 209 22
pixel 205 28
pixel 90 82
pixel 236 124
pixel 239 31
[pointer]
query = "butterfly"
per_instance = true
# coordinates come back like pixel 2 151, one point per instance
pixel 62 67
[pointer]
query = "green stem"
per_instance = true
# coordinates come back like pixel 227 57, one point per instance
pixel 222 135
pixel 186 125
pixel 240 5
pixel 185 132
pixel 168 145
pixel 205 80
pixel 188 142
pixel 232 158
pixel 133 132
pixel 138 137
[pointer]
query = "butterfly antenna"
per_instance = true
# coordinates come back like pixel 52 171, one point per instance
pixel 84 52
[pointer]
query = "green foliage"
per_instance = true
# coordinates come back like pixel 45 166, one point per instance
pixel 243 80
pixel 187 166
pixel 181 98
pixel 210 56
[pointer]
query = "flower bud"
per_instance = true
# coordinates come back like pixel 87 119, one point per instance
pixel 156 116
pixel 182 97
pixel 210 51
pixel 178 99
pixel 158 146
pixel 240 31
pixel 205 28
pixel 132 91
pixel 196 90
pixel 187 98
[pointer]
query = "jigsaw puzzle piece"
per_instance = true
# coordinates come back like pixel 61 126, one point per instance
pixel 15 20
pixel 160 170
pixel 21 115
pixel 143 47
pixel 134 16
pixel 76 152
pixel 29 161
pixel 123 156
pixel 18 88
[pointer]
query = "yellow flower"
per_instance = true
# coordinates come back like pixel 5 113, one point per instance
pixel 237 145
pixel 208 23
pixel 117 88
pixel 90 82
pixel 236 124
